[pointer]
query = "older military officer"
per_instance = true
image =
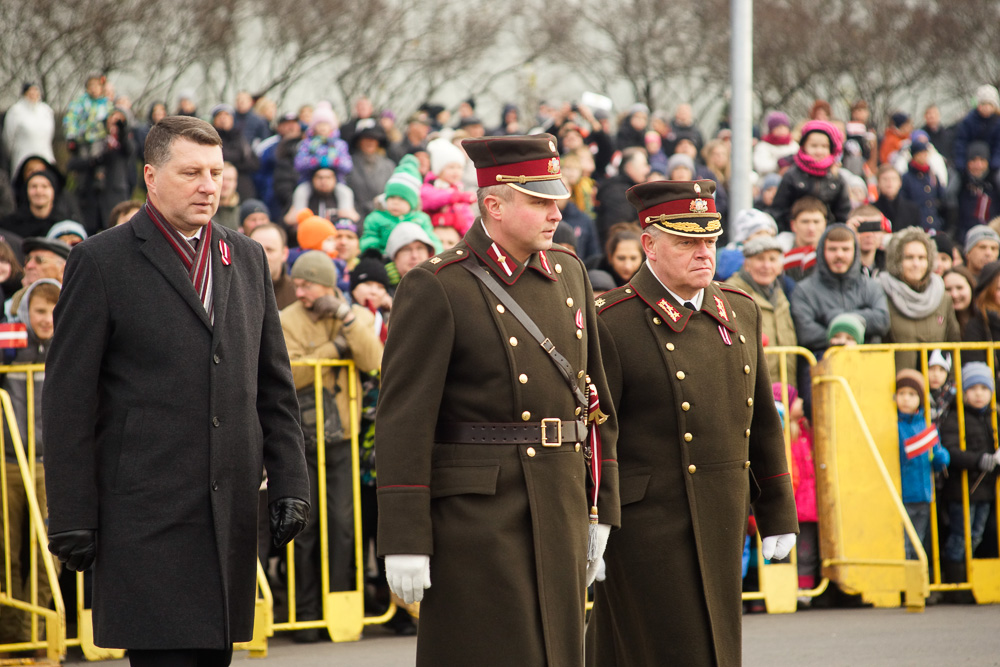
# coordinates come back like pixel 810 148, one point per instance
pixel 481 428
pixel 700 442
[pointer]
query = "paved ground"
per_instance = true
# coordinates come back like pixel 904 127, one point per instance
pixel 945 635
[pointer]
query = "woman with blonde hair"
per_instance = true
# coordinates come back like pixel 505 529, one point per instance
pixel 716 157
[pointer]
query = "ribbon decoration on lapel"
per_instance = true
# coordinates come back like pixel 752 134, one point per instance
pixel 224 252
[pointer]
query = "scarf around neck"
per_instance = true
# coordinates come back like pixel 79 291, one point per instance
pixel 812 166
pixel 777 141
pixel 912 304
pixel 198 264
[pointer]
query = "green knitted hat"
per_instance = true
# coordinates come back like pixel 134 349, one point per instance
pixel 850 323
pixel 405 182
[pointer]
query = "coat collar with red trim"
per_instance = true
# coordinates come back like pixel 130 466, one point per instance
pixel 495 258
pixel 676 316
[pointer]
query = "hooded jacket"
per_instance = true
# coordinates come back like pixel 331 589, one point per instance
pixel 915 474
pixel 937 326
pixel 823 295
pixel 16 384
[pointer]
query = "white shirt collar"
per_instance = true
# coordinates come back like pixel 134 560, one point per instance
pixel 696 300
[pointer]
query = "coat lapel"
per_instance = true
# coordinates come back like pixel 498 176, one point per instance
pixel 162 256
pixel 222 279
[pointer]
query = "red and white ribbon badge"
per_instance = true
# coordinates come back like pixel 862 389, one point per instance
pixel 224 251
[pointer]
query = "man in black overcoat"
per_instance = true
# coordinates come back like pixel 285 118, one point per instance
pixel 168 391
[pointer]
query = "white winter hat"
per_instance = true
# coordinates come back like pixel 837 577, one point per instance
pixel 443 153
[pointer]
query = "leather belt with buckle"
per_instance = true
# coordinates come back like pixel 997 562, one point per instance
pixel 549 432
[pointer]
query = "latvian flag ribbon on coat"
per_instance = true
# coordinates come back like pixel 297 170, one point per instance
pixel 14 334
pixel 921 442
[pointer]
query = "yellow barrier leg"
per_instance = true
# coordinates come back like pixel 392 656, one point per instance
pixel 916 586
pixel 90 650
pixel 985 579
pixel 345 615
pixel 780 584
pixel 263 627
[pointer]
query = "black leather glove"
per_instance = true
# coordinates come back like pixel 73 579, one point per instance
pixel 288 517
pixel 331 305
pixel 76 548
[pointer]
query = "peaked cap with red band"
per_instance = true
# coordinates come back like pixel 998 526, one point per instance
pixel 529 164
pixel 686 208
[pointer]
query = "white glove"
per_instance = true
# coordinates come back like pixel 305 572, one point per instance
pixel 408 575
pixel 996 456
pixel 602 572
pixel 603 530
pixel 776 547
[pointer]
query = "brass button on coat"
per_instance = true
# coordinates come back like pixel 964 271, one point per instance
pixel 685 406
pixel 215 421
pixel 525 416
pixel 577 448
pixel 569 302
pixel 579 333
pixel 580 375
pixel 692 469
pixel 628 291
pixel 513 342
pixel 743 338
pixel 749 401
pixel 746 465
pixel 680 375
pixel 578 411
pixel 688 437
pixel 558 268
pixel 657 320
pixel 501 309
pixel 531 451
pixel 746 369
pixel 522 378
pixel 670 346
pixel 747 434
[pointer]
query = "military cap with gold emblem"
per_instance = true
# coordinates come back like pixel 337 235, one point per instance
pixel 686 208
pixel 529 164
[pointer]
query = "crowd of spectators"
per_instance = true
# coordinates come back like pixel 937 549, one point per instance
pixel 856 236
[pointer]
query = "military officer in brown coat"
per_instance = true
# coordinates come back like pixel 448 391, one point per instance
pixel 700 443
pixel 482 439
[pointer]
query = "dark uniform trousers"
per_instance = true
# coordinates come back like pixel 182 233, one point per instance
pixel 505 524
pixel 698 434
pixel 181 658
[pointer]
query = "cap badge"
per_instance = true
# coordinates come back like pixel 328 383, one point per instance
pixel 721 307
pixel 554 165
pixel 671 312
pixel 699 205
pixel 697 189
pixel 552 146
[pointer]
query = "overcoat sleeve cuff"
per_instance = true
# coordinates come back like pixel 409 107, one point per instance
pixel 609 508
pixel 404 520
pixel 774 509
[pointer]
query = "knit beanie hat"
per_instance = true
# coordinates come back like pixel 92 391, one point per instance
pixel 772 180
pixel 369 269
pixel 944 243
pixel 251 206
pixel 987 94
pixel 776 119
pixel 65 228
pixel 827 128
pixel 908 377
pixel 443 153
pixel 977 234
pixel 850 323
pixel 679 160
pixel 750 221
pixel 938 358
pixel 976 372
pixel 793 393
pixel 323 113
pixel 313 230
pixel 978 149
pixel 405 182
pixel 403 235
pixel 754 247
pixel 47 175
pixel 316 267
pixel 347 225
pixel 899 119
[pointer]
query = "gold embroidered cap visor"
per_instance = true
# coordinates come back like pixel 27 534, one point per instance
pixel 685 208
pixel 529 164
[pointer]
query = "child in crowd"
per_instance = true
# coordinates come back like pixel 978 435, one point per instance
pixel 35 312
pixel 942 389
pixel 804 487
pixel 402 204
pixel 322 146
pixel 978 459
pixel 846 329
pixel 442 195
pixel 808 222
pixel 919 450
pixel 815 173
pixel 348 250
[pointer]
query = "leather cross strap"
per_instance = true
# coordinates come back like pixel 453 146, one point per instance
pixel 486 433
pixel 515 309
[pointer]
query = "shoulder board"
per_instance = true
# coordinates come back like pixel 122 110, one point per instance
pixel 726 287
pixel 444 258
pixel 613 298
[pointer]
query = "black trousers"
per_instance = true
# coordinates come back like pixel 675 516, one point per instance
pixel 184 657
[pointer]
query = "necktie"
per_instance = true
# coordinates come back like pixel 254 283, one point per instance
pixel 690 306
pixel 194 242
